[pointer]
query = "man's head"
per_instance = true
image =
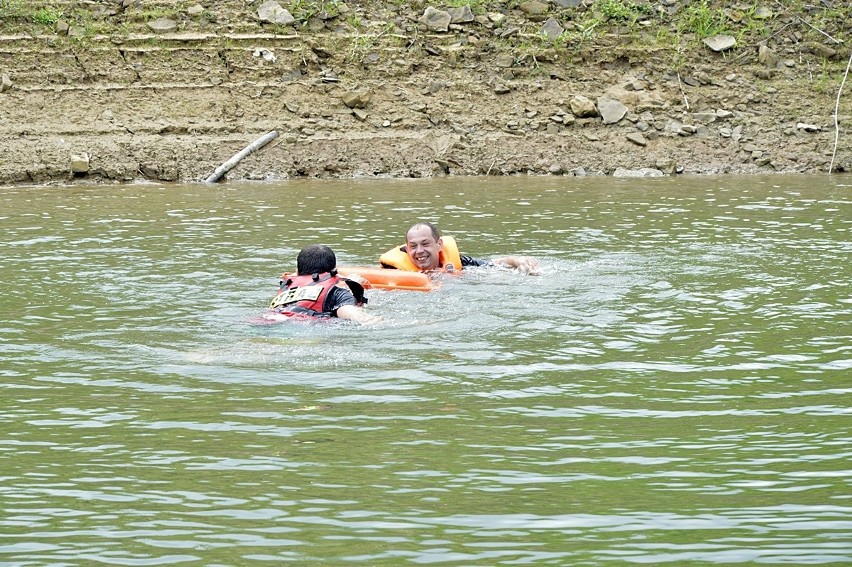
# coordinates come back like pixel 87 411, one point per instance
pixel 423 243
pixel 315 259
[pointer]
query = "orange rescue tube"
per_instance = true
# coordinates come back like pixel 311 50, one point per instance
pixel 381 278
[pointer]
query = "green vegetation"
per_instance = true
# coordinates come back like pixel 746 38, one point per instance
pixel 47 16
pixel 476 6
pixel 621 11
pixel 12 8
pixel 703 20
pixel 624 24
pixel 304 10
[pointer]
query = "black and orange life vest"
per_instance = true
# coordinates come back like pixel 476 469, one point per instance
pixel 305 295
pixel 449 258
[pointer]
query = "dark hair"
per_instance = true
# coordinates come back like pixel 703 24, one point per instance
pixel 315 259
pixel 435 234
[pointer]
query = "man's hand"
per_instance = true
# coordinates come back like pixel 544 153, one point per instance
pixel 524 264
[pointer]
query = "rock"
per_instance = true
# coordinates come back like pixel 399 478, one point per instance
pixel 356 99
pixel 504 60
pixel 704 117
pixel 534 9
pixel 436 20
pixel 5 83
pixel 762 13
pixel 767 57
pixel 462 15
pixel 637 139
pixel 195 10
pixel 359 114
pixel 611 110
pixel 80 163
pixel 551 29
pixel 583 107
pixel 162 25
pixel 819 49
pixel 433 88
pixel 501 88
pixel 808 127
pixel 723 114
pixel 266 54
pixel 567 3
pixel 737 133
pixel 271 12
pixel 720 43
pixel 496 18
pixel 666 165
pixel 643 172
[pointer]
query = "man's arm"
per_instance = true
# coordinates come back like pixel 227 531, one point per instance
pixel 356 314
pixel 525 264
pixel 345 307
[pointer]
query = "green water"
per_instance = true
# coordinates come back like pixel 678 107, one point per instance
pixel 674 389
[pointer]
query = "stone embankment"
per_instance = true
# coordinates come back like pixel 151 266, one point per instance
pixel 412 91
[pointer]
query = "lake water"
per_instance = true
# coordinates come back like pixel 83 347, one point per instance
pixel 673 389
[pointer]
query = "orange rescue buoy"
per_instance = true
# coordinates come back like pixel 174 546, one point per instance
pixel 382 278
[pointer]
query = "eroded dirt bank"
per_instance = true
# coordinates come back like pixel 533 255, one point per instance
pixel 396 98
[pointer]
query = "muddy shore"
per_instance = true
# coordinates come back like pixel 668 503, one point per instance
pixel 401 99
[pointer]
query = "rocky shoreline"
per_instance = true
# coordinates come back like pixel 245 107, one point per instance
pixel 415 91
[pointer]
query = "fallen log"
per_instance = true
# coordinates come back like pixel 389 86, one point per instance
pixel 231 163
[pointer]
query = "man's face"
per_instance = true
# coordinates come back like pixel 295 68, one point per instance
pixel 422 248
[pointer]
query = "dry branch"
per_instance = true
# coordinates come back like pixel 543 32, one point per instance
pixel 231 163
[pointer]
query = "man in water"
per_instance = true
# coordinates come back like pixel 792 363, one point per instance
pixel 318 292
pixel 426 250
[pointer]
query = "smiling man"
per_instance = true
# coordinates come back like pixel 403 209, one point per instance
pixel 425 250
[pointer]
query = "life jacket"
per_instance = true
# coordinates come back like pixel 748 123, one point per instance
pixel 449 258
pixel 305 295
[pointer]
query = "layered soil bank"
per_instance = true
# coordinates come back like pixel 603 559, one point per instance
pixel 376 90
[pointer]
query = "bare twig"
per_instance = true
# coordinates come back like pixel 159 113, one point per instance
pixel 820 31
pixel 836 112
pixel 747 49
pixel 679 84
pixel 412 41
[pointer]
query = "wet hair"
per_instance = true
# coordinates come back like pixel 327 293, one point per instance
pixel 315 259
pixel 435 234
